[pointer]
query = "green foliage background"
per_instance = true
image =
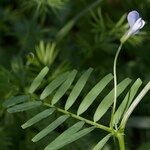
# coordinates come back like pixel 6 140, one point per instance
pixel 26 27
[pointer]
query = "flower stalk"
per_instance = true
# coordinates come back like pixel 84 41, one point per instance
pixel 115 83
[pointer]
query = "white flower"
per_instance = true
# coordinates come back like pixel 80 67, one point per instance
pixel 135 22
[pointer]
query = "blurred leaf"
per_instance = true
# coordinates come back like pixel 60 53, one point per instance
pixel 24 106
pixel 16 100
pixel 46 53
pixel 68 26
pixel 37 81
pixel 144 146
pixel 142 122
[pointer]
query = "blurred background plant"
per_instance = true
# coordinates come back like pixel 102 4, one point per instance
pixel 65 34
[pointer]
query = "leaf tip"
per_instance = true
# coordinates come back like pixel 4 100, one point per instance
pixel 24 126
pixel 42 97
pixel 34 139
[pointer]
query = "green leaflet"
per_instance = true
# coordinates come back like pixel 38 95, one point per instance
pixel 53 85
pixel 66 134
pixel 95 91
pixel 133 91
pixel 37 81
pixel 70 139
pixel 102 142
pixel 16 100
pixel 127 101
pixel 108 100
pixel 77 88
pixel 134 104
pixel 64 87
pixel 38 117
pixel 50 128
pixel 24 106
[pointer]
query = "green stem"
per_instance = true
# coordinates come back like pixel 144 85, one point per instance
pixel 115 83
pixel 120 138
pixel 80 118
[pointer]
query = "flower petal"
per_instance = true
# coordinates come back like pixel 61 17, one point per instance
pixel 133 16
pixel 142 24
pixel 137 26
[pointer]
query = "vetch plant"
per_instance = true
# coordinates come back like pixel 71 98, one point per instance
pixel 55 90
pixel 136 23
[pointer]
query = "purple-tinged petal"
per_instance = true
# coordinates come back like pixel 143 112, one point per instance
pixel 133 16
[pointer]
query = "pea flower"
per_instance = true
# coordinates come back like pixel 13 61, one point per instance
pixel 135 23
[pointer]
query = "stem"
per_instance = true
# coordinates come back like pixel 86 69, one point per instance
pixel 80 118
pixel 115 83
pixel 115 77
pixel 120 138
